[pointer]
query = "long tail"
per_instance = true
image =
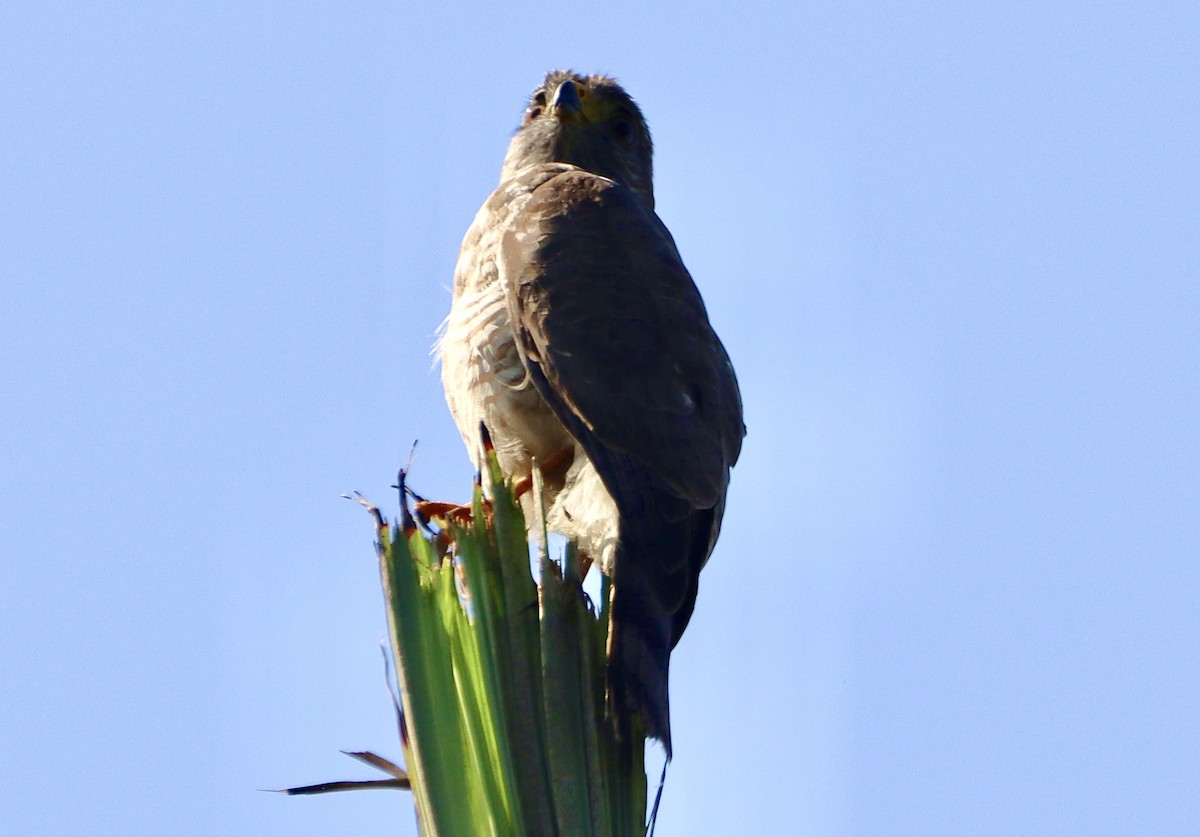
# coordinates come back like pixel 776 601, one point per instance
pixel 639 659
pixel 654 590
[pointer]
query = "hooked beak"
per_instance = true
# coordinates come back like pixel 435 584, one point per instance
pixel 566 104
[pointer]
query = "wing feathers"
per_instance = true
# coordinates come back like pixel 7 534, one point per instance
pixel 616 340
pixel 606 308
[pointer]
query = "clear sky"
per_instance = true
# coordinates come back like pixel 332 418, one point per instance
pixel 952 249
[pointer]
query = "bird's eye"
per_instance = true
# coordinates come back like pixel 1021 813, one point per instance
pixel 536 106
pixel 622 129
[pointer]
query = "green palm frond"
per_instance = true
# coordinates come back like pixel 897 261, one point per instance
pixel 502 681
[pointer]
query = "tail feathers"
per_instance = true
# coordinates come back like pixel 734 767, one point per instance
pixel 655 575
pixel 638 665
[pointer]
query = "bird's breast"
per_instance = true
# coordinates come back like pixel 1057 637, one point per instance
pixel 487 381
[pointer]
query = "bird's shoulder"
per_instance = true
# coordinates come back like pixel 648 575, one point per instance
pixel 610 318
pixel 503 208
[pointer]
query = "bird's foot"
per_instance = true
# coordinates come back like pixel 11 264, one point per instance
pixel 522 486
pixel 553 468
pixel 453 512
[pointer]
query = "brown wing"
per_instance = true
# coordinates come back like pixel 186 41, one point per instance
pixel 617 341
pixel 612 318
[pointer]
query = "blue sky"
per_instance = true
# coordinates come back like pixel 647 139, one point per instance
pixel 952 250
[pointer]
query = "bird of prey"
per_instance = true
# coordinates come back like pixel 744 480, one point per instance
pixel 578 339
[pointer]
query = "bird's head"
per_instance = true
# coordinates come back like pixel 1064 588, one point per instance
pixel 587 121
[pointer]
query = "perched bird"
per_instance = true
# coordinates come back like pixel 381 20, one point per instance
pixel 579 340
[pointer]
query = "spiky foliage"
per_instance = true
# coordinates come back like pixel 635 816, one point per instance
pixel 502 681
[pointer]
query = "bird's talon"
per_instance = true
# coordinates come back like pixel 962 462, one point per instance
pixel 521 486
pixel 554 468
pixel 455 512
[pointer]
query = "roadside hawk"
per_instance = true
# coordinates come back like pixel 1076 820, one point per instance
pixel 579 340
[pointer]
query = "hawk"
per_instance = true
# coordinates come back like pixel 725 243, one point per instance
pixel 578 339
